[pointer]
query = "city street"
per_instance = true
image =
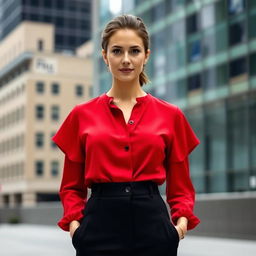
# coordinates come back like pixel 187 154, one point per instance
pixel 31 240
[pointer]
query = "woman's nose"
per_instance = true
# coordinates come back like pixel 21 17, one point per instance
pixel 126 58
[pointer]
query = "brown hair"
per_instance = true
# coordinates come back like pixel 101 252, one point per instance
pixel 132 22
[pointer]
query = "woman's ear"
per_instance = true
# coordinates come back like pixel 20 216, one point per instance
pixel 147 56
pixel 104 55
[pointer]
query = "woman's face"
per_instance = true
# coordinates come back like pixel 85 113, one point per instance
pixel 125 51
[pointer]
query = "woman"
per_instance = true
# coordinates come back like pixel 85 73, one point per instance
pixel 122 145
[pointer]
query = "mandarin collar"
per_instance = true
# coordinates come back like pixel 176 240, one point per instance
pixel 139 100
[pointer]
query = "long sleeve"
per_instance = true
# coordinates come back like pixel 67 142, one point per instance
pixel 180 193
pixel 72 192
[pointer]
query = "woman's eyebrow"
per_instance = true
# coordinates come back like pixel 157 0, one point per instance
pixel 117 46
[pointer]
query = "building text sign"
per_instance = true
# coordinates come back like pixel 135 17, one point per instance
pixel 45 65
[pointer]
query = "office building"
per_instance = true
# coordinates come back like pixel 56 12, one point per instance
pixel 203 59
pixel 38 88
pixel 72 19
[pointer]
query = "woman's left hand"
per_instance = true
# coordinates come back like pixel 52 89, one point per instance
pixel 182 230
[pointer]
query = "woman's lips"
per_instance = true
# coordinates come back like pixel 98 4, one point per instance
pixel 126 70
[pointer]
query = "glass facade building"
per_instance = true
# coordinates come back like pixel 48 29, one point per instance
pixel 203 59
pixel 72 19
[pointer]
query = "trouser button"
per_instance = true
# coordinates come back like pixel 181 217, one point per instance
pixel 128 189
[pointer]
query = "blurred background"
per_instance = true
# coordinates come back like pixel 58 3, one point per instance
pixel 203 59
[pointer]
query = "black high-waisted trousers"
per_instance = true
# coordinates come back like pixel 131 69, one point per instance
pixel 125 218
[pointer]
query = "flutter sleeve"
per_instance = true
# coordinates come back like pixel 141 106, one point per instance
pixel 180 192
pixel 67 138
pixel 72 192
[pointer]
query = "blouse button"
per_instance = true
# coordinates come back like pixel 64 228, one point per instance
pixel 131 122
pixel 126 148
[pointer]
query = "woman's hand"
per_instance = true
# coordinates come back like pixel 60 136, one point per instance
pixel 181 226
pixel 182 230
pixel 73 226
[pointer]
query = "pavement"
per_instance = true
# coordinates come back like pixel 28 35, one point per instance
pixel 42 240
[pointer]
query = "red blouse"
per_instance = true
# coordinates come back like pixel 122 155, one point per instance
pixel 100 146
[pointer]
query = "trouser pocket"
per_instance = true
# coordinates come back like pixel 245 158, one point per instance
pixel 171 230
pixel 81 232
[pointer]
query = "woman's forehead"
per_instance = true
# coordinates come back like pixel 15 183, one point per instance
pixel 125 38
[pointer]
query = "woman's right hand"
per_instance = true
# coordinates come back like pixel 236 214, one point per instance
pixel 73 226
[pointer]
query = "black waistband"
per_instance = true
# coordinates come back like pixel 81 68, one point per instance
pixel 125 188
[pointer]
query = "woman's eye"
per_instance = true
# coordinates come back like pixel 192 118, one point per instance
pixel 136 51
pixel 114 51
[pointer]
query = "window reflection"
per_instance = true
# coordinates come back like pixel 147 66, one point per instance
pixel 176 32
pixel 222 75
pixel 236 6
pixel 215 146
pixel 158 11
pixel 252 68
pixel 221 32
pixel 252 25
pixel 176 57
pixel 238 155
pixel 209 44
pixel 209 78
pixel 252 140
pixel 221 11
pixel 207 16
pixel 194 50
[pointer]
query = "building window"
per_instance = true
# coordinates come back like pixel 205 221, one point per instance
pixel 39 139
pixel 53 144
pixel 236 6
pixel 215 145
pixel 237 68
pixel 79 90
pixel 55 88
pixel 158 11
pixel 237 33
pixel 253 64
pixel 252 27
pixel 222 74
pixel 192 23
pixel 207 16
pixel 54 168
pixel 237 139
pixel 40 87
pixel 40 45
pixel 194 82
pixel 209 46
pixel 195 50
pixel 209 78
pixel 55 112
pixel 39 165
pixel 40 111
pixel 221 11
pixel 252 136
